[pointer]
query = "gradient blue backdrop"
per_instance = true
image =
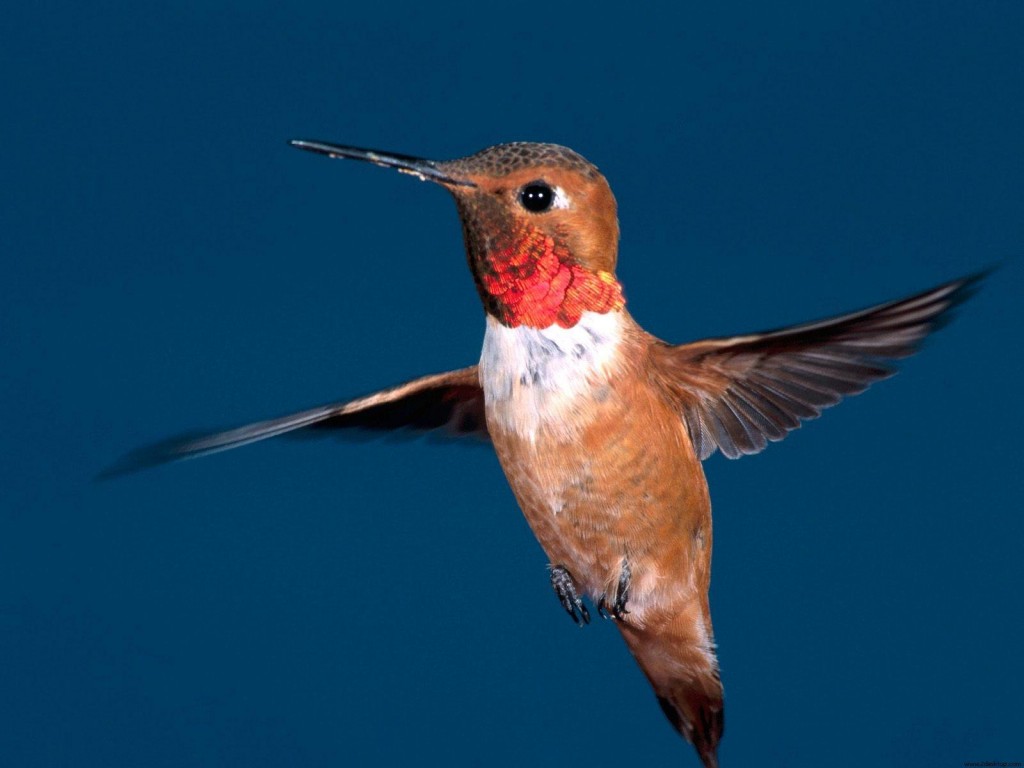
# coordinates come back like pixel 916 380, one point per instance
pixel 169 263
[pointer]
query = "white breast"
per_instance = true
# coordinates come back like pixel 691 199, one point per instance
pixel 539 378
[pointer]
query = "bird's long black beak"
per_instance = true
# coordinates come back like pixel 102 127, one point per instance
pixel 426 170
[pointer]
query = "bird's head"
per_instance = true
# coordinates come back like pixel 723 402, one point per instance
pixel 539 222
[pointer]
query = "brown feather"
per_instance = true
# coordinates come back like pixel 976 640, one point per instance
pixel 737 394
pixel 453 401
pixel 678 659
pixel 623 484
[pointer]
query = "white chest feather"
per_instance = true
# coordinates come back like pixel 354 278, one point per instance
pixel 543 378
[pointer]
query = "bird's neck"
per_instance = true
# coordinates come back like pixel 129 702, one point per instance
pixel 528 279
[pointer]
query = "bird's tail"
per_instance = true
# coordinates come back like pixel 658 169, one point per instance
pixel 678 657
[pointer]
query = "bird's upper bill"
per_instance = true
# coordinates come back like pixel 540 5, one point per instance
pixel 426 170
pixel 496 161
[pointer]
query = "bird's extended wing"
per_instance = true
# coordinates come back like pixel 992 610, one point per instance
pixel 452 400
pixel 738 393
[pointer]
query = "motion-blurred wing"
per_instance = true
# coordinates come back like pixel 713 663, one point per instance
pixel 739 393
pixel 452 400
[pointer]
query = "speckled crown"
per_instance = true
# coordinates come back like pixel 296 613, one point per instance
pixel 503 159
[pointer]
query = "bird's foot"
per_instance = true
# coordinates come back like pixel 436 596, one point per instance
pixel 618 607
pixel 565 587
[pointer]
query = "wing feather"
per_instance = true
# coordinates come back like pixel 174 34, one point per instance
pixel 737 394
pixel 453 401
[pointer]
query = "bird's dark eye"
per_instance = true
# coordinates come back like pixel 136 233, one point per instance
pixel 536 197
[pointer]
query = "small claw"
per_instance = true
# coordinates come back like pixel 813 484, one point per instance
pixel 565 588
pixel 568 608
pixel 622 596
pixel 618 608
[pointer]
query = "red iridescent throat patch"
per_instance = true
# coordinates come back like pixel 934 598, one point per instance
pixel 533 282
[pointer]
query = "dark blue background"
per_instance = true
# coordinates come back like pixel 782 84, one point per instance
pixel 168 262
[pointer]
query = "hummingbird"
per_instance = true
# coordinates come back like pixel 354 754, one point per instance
pixel 600 427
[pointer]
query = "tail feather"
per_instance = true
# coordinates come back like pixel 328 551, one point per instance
pixel 678 658
pixel 698 716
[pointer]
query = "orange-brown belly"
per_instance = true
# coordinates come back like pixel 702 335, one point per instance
pixel 622 484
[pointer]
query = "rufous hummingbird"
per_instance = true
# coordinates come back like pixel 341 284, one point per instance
pixel 599 426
